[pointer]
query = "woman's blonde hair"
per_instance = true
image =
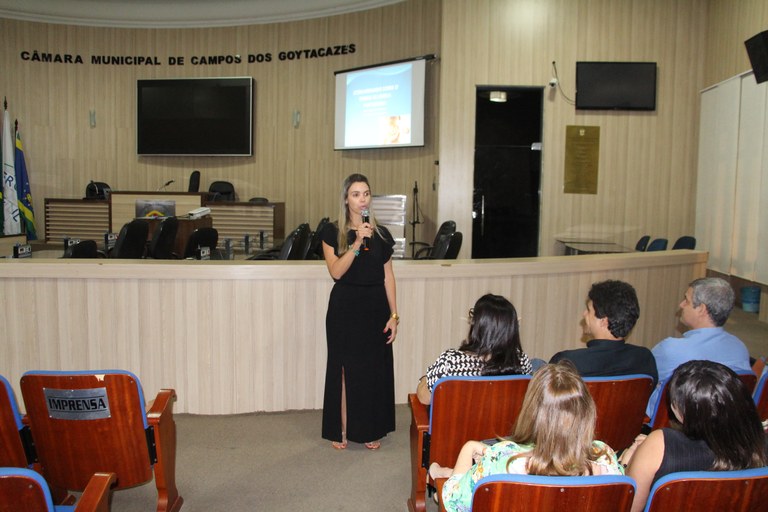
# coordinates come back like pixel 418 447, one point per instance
pixel 558 418
pixel 345 223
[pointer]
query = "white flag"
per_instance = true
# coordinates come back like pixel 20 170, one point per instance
pixel 11 221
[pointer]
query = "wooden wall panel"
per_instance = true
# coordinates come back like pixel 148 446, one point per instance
pixel 235 337
pixel 297 166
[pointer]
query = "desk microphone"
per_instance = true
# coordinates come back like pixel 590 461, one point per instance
pixel 366 218
pixel 166 184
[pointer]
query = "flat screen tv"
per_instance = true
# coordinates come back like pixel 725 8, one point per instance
pixel 380 106
pixel 616 85
pixel 195 116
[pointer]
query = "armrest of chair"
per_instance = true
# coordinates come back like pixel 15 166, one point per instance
pixel 423 251
pixel 95 497
pixel 160 417
pixel 419 426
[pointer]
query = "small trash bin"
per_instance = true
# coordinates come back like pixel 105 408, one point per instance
pixel 750 299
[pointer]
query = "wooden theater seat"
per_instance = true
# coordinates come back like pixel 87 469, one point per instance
pixel 661 417
pixel 12 431
pixel 743 490
pixel 462 408
pixel 524 493
pixel 85 422
pixel 620 404
pixel 22 489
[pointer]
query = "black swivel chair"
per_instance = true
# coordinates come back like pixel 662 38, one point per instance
pixel 82 249
pixel 642 243
pixel 221 191
pixel 454 246
pixel 684 242
pixel 447 247
pixel 258 200
pixel 293 248
pixel 131 241
pixel 163 240
pixel 659 244
pixel 424 253
pixel 194 182
pixel 315 250
pixel 201 237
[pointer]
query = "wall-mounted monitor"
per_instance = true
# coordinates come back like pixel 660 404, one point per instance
pixel 195 116
pixel 616 85
pixel 380 106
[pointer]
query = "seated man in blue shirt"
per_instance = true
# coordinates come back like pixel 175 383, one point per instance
pixel 612 310
pixel 705 308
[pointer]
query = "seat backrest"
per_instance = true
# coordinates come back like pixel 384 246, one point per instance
pixel 685 242
pixel 454 246
pixel 87 422
pixel 22 489
pixel 82 249
pixel 440 248
pixel 702 491
pixel 131 241
pixel 301 242
pixel 11 445
pixel 315 250
pixel 761 396
pixel 446 227
pixel 642 243
pixel 620 404
pixel 194 182
pixel 221 191
pixel 659 244
pixel 201 237
pixel 465 408
pixel 164 239
pixel 258 200
pixel 287 247
pixel 524 493
pixel 661 418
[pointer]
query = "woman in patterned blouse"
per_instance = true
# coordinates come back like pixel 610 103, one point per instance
pixel 492 347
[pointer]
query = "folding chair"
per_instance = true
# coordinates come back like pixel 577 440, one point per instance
pixel 703 491
pixel 85 422
pixel 523 493
pixel 24 490
pixel 462 408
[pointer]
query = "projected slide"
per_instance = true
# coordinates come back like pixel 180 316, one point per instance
pixel 380 106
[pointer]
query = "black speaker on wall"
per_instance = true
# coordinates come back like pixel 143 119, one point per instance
pixel 757 49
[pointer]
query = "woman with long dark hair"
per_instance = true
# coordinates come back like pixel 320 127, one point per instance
pixel 361 323
pixel 492 347
pixel 720 429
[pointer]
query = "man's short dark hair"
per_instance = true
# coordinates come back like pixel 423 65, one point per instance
pixel 616 300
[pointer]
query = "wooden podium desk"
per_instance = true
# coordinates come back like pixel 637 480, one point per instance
pixel 186 227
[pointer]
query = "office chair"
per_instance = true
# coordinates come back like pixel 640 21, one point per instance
pixel 642 243
pixel 131 241
pixel 659 244
pixel 194 182
pixel 523 493
pixel 258 200
pixel 201 237
pixel 164 239
pixel 446 227
pixel 82 249
pixel 447 247
pixel 454 246
pixel 84 422
pixel 684 242
pixel 22 489
pixel 315 250
pixel 97 190
pixel 221 191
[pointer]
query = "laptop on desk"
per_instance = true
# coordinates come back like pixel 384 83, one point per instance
pixel 154 208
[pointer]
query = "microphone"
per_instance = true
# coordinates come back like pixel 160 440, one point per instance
pixel 166 184
pixel 366 218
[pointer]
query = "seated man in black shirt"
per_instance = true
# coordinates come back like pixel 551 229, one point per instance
pixel 612 310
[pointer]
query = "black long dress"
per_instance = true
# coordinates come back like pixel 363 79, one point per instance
pixel 357 312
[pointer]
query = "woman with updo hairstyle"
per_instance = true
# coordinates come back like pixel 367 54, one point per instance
pixel 492 347
pixel 720 429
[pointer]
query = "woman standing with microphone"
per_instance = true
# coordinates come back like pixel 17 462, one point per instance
pixel 361 323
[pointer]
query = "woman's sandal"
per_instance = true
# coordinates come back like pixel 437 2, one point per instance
pixel 373 445
pixel 340 445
